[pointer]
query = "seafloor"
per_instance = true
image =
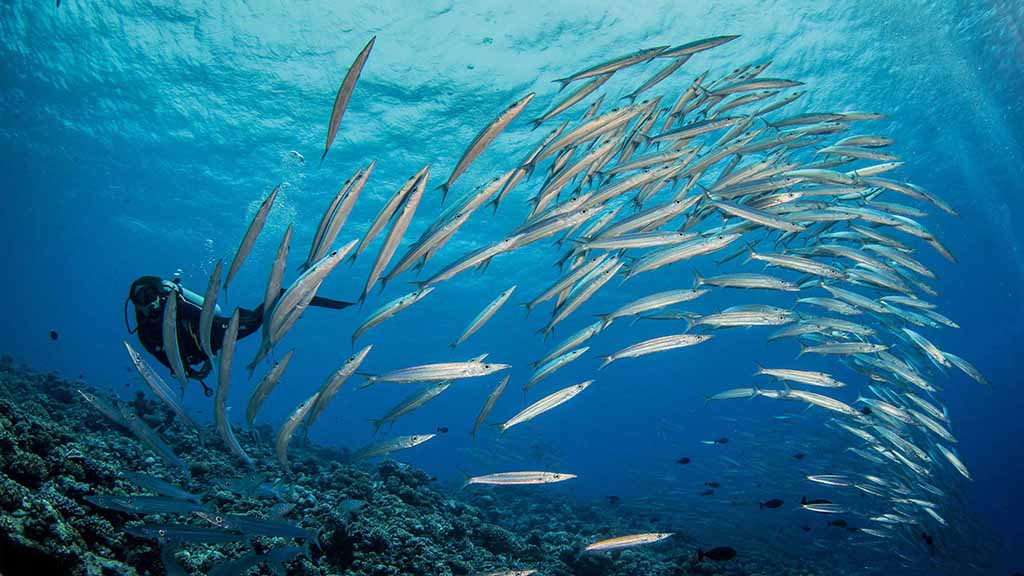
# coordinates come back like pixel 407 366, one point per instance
pixel 370 519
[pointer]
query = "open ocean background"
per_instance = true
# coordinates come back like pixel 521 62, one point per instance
pixel 140 137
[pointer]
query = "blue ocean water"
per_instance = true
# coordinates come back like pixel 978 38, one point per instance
pixel 140 138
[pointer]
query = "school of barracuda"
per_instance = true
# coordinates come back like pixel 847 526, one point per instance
pixel 727 169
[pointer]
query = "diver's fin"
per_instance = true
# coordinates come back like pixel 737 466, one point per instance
pixel 322 302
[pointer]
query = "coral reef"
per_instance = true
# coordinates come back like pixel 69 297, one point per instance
pixel 386 519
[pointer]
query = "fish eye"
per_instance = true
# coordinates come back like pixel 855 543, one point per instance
pixel 217 519
pixel 487 365
pixel 162 532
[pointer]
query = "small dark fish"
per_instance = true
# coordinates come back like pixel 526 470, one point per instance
pixel 54 335
pixel 713 484
pixel 722 440
pixel 799 456
pixel 805 527
pixel 804 501
pixel 866 410
pixel 838 523
pixel 442 429
pixel 773 503
pixel 613 500
pixel 683 460
pixel 720 554
pixel 708 492
pixel 929 541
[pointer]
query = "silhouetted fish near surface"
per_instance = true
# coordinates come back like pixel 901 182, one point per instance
pixel 442 429
pixel 53 335
pixel 773 503
pixel 708 492
pixel 683 460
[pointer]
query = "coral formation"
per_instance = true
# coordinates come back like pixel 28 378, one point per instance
pixel 387 519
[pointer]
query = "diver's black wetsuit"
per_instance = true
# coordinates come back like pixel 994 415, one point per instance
pixel 149 295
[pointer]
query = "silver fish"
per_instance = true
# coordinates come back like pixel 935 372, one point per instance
pixel 220 409
pixel 250 236
pixel 161 389
pixel 394 237
pixel 627 541
pixel 572 99
pixel 388 211
pixel 389 446
pixel 490 310
pixel 411 403
pixel 266 386
pixel 652 302
pixel 549 367
pixel 348 85
pixel 287 430
pixel 170 340
pixel 612 65
pixel 333 384
pixel 273 290
pixel 653 345
pixel 339 214
pixel 209 309
pixel 544 404
pixel 389 310
pixel 483 139
pixel 802 376
pixel 492 398
pixel 518 478
pixel 436 372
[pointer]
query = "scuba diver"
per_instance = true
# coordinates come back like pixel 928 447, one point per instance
pixel 149 295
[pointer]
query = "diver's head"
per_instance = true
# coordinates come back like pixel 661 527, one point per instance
pixel 145 293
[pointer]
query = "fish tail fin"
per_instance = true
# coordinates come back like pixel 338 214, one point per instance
pixel 534 124
pixel 760 505
pixel 370 380
pixel 760 369
pixel 377 423
pixel 453 345
pixel 528 306
pixel 494 202
pixel 752 255
pixel 606 320
pixel 605 360
pixel 803 350
pixel 803 500
pixel 698 280
pixel 562 83
pixel 444 188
